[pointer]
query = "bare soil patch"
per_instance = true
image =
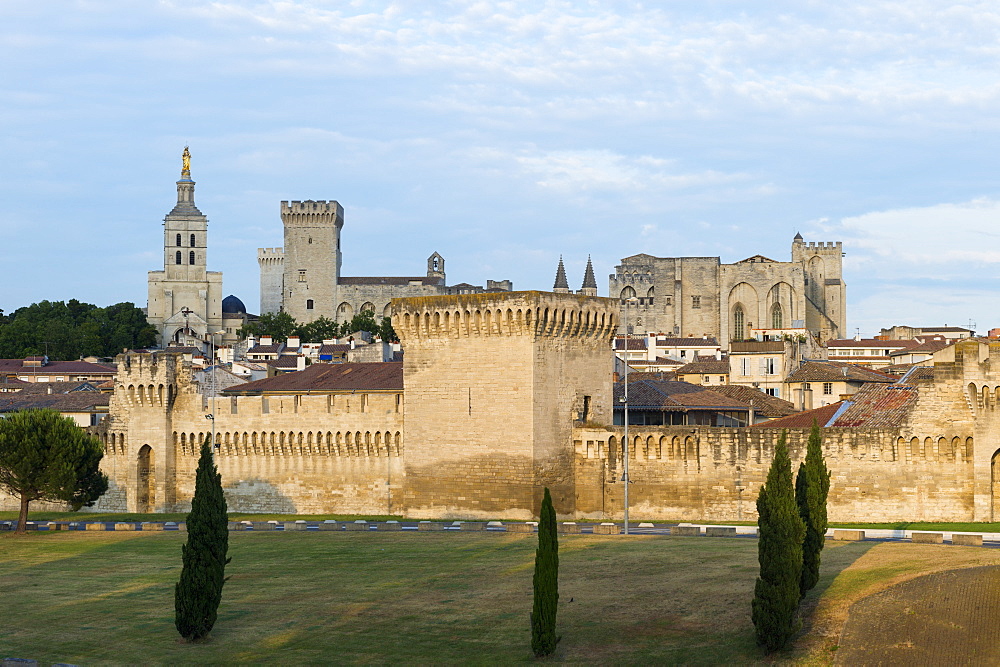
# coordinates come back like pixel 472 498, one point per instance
pixel 947 618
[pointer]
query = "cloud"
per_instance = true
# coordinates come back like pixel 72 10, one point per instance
pixel 933 242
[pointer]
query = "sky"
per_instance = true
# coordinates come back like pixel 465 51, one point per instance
pixel 506 134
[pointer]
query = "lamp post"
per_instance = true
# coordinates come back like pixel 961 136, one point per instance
pixel 625 477
pixel 215 385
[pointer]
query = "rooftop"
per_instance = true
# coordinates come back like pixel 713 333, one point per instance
pixel 328 378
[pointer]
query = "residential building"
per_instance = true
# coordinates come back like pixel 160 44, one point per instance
pixel 818 383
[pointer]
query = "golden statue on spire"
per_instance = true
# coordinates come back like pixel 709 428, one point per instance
pixel 186 160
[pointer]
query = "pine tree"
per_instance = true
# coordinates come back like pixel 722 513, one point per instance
pixel 45 456
pixel 779 551
pixel 812 485
pixel 199 591
pixel 546 582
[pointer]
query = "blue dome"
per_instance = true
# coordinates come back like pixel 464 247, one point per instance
pixel 232 304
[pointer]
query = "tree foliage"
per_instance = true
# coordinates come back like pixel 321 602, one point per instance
pixel 812 486
pixel 779 552
pixel 45 456
pixel 546 582
pixel 199 591
pixel 282 325
pixel 71 330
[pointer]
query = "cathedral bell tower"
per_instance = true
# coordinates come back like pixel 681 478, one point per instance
pixel 185 299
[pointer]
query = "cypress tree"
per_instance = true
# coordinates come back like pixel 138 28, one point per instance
pixel 812 485
pixel 779 551
pixel 546 582
pixel 199 591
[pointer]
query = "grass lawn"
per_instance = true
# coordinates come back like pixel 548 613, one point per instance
pixel 103 597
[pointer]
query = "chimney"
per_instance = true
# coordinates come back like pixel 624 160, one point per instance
pixel 293 341
pixel 300 362
pixel 266 340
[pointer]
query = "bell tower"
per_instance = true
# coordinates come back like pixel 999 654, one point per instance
pixel 185 299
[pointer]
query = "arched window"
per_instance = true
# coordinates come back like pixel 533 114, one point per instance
pixel 628 293
pixel 191 257
pixel 739 324
pixel 309 304
pixel 177 257
pixel 178 240
pixel 777 320
pixel 192 240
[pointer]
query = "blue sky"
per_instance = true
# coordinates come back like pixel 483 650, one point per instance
pixel 505 134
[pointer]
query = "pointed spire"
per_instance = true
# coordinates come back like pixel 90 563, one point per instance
pixel 588 276
pixel 561 285
pixel 798 237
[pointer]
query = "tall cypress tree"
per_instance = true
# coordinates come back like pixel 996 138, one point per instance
pixel 812 485
pixel 779 551
pixel 546 582
pixel 199 591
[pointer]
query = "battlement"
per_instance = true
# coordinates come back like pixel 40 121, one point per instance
pixel 267 256
pixel 822 247
pixel 536 314
pixel 312 212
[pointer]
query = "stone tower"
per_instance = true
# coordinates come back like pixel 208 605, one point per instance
pixel 825 291
pixel 272 278
pixel 589 281
pixel 311 258
pixel 561 285
pixel 185 299
pixel 140 428
pixel 435 267
pixel 494 383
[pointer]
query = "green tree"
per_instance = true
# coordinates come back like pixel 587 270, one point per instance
pixel 812 486
pixel 386 332
pixel 277 325
pixel 322 328
pixel 363 321
pixel 45 456
pixel 73 329
pixel 546 582
pixel 199 591
pixel 779 552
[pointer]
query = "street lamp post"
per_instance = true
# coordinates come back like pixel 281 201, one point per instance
pixel 625 477
pixel 215 385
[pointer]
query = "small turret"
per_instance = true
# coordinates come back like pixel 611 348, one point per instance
pixel 589 281
pixel 561 285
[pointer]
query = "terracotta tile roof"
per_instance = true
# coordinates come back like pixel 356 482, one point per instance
pixel 284 362
pixel 705 367
pixel 928 347
pixel 921 374
pixel 871 342
pixel 756 346
pixel 16 367
pixel 673 396
pixel 77 401
pixel 686 342
pixel 803 419
pixel 832 371
pixel 878 406
pixel 763 404
pixel 633 343
pixel 58 387
pixel 265 349
pixel 334 349
pixel 385 376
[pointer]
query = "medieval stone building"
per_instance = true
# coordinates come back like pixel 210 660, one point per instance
pixel 303 278
pixel 701 297
pixel 185 298
pixel 502 394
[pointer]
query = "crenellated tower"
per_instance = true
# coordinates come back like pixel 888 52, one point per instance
pixel 825 291
pixel 484 438
pixel 312 258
